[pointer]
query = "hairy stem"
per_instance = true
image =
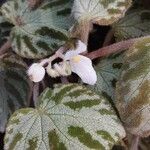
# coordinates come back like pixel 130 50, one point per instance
pixel 114 48
pixel 64 80
pixel 35 92
pixel 34 3
pixel 5 47
pixel 82 31
pixel 135 143
pixel 108 38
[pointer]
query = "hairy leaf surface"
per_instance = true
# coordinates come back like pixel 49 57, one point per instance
pixel 69 117
pixel 14 87
pixel 39 32
pixel 133 89
pixel 135 24
pixel 102 12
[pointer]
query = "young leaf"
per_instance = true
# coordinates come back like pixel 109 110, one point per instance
pixel 69 117
pixel 135 24
pixel 133 89
pixel 108 71
pixel 14 88
pixel 102 12
pixel 39 32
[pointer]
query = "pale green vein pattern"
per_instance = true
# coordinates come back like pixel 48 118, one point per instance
pixel 69 117
pixel 133 89
pixel 108 71
pixel 39 32
pixel 102 12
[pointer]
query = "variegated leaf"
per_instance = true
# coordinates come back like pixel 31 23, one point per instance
pixel 135 24
pixel 40 32
pixel 133 89
pixel 102 12
pixel 108 72
pixel 14 87
pixel 5 28
pixel 69 117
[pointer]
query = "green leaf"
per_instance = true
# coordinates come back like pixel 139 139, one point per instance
pixel 5 28
pixel 133 89
pixel 108 71
pixel 14 87
pixel 68 117
pixel 102 12
pixel 40 32
pixel 135 24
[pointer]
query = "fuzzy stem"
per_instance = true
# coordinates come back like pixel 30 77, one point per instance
pixel 114 48
pixel 108 38
pixel 58 54
pixel 35 92
pixel 82 31
pixel 34 3
pixel 5 47
pixel 64 80
pixel 135 143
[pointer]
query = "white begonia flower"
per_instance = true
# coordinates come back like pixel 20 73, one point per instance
pixel 36 72
pixel 63 68
pixel 81 65
pixel 51 72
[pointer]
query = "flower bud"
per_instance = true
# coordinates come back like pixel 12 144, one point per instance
pixel 63 68
pixel 36 72
pixel 51 72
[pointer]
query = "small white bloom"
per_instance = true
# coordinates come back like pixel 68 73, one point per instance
pixel 63 68
pixel 36 72
pixel 81 47
pixel 52 72
pixel 81 65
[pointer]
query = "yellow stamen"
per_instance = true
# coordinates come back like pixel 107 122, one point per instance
pixel 76 59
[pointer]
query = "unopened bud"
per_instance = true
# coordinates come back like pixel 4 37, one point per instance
pixel 36 72
pixel 63 68
pixel 51 72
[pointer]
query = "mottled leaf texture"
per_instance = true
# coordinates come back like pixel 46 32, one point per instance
pixel 40 32
pixel 102 12
pixel 70 117
pixel 14 87
pixel 135 24
pixel 5 28
pixel 133 89
pixel 108 72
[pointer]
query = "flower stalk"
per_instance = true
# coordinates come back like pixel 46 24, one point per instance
pixel 114 48
pixel 5 47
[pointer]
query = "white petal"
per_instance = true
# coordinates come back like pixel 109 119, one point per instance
pixel 36 72
pixel 84 70
pixel 81 47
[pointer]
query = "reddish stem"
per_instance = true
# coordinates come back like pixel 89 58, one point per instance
pixel 135 143
pixel 34 3
pixel 114 48
pixel 5 47
pixel 108 38
pixel 35 92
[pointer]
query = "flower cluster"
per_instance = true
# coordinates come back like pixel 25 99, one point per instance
pixel 73 61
